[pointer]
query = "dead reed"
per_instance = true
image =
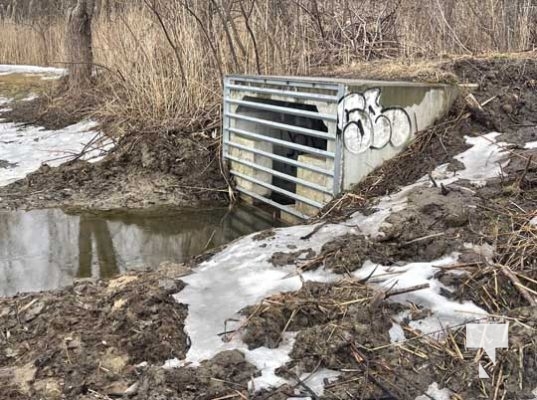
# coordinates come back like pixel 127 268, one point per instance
pixel 165 59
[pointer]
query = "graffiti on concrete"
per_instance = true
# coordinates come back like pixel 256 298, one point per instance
pixel 365 124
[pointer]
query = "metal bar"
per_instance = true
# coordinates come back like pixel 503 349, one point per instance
pixel 277 189
pixel 338 159
pixel 283 127
pixel 284 143
pixel 298 95
pixel 225 120
pixel 281 175
pixel 287 209
pixel 285 82
pixel 285 160
pixel 283 110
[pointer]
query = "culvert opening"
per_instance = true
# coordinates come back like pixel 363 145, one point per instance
pixel 283 135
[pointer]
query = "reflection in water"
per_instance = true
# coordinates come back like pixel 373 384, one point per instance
pixel 47 249
pixel 96 230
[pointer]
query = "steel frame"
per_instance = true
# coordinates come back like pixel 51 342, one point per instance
pixel 282 88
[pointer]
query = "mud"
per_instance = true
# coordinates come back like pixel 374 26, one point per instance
pixel 144 170
pixel 156 167
pixel 227 374
pixel 342 327
pixel 315 305
pixel 90 337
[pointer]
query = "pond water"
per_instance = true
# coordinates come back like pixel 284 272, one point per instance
pixel 48 249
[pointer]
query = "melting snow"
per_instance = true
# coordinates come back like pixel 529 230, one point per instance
pixel 24 149
pixel 435 393
pixel 6 69
pixel 242 274
pixel 444 312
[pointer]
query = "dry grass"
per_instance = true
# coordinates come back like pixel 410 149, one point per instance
pixel 18 86
pixel 172 76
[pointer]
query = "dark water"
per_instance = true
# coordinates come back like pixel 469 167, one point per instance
pixel 48 249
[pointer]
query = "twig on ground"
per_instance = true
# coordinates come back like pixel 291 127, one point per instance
pixel 518 285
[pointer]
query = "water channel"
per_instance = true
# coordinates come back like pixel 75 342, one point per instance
pixel 48 249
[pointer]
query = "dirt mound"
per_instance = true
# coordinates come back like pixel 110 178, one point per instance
pixel 316 304
pixel 145 169
pixel 226 375
pixel 88 338
pixel 164 166
pixel 344 327
pixel 55 108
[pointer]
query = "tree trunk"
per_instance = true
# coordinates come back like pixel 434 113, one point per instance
pixel 79 44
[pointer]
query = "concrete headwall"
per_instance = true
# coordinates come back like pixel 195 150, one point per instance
pixel 366 123
pixel 378 122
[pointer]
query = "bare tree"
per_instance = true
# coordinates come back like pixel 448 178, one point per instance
pixel 79 43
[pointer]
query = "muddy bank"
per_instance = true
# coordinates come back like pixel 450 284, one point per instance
pixel 89 338
pixel 147 169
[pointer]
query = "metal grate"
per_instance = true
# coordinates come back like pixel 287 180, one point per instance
pixel 280 138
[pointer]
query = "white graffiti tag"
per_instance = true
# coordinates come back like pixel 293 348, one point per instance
pixel 366 125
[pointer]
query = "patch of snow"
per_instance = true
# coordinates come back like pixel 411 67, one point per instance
pixel 531 145
pixel 268 361
pixel 483 161
pixel 533 221
pixel 6 69
pixel 25 149
pixel 396 332
pixel 242 274
pixel 444 312
pixel 30 97
pixel 316 380
pixel 435 393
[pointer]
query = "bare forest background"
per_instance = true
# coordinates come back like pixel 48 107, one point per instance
pixel 163 60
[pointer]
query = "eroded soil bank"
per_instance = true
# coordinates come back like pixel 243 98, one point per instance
pixel 466 236
pixel 146 167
